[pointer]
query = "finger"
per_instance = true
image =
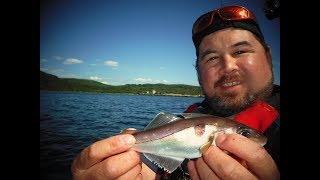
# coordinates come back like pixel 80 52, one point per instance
pixel 192 170
pixel 139 177
pixel 225 166
pixel 100 150
pixel 204 170
pixel 148 173
pixel 118 165
pixel 257 158
pixel 134 173
pixel 114 166
pixel 241 161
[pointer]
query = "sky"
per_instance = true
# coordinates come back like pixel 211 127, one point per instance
pixel 119 42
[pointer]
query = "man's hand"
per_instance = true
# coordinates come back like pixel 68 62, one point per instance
pixel 108 159
pixel 246 160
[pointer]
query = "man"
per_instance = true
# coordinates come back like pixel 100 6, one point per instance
pixel 234 69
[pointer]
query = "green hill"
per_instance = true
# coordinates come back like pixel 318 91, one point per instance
pixel 54 83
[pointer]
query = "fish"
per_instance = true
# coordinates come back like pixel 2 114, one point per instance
pixel 171 138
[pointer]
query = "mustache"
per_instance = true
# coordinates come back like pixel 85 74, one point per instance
pixel 229 78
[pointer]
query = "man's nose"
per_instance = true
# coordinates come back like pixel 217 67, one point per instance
pixel 229 64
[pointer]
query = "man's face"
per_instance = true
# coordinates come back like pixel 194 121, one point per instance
pixel 233 69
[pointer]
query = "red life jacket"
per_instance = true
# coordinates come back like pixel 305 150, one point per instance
pixel 259 115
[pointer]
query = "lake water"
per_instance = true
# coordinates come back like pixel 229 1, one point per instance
pixel 71 121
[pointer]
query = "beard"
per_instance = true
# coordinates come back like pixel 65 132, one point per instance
pixel 229 103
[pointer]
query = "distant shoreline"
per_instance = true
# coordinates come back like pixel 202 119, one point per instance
pixel 53 83
pixel 144 94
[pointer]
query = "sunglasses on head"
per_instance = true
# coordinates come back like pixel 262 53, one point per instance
pixel 225 13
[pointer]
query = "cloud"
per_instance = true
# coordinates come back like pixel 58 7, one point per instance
pixel 105 82
pixel 52 71
pixel 57 58
pixel 72 61
pixel 44 69
pixel 95 78
pixel 56 72
pixel 149 80
pixel 111 63
pixel 43 60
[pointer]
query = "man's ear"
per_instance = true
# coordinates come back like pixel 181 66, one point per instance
pixel 268 54
pixel 197 70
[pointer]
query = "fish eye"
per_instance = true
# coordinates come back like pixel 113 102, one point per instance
pixel 244 133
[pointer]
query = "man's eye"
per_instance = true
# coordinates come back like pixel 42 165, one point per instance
pixel 239 52
pixel 212 59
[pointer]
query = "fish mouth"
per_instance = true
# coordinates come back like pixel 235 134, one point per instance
pixel 263 140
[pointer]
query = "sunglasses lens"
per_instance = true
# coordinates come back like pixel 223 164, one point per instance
pixel 202 22
pixel 225 13
pixel 234 13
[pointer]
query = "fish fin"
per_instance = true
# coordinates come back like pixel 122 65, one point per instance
pixel 128 131
pixel 162 118
pixel 206 145
pixel 193 115
pixel 168 163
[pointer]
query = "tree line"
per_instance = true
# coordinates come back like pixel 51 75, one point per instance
pixel 53 83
